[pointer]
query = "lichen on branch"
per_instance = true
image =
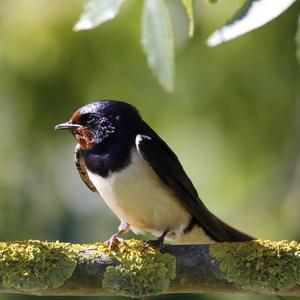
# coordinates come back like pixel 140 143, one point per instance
pixel 260 265
pixel 36 265
pixel 54 268
pixel 141 271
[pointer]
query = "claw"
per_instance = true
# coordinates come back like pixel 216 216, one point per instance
pixel 115 239
pixel 158 243
pixel 153 243
pixel 114 242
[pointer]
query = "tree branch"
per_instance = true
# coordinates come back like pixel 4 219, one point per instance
pixel 44 268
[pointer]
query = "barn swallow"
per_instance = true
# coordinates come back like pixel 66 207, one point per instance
pixel 140 178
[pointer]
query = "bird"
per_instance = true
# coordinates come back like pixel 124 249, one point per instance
pixel 119 156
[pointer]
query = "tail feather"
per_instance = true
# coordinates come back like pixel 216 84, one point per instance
pixel 235 235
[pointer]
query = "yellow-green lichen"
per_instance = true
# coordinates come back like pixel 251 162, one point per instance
pixel 35 265
pixel 39 265
pixel 141 271
pixel 259 265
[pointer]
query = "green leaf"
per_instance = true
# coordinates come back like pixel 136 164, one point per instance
pixel 188 5
pixel 97 12
pixel 254 14
pixel 158 43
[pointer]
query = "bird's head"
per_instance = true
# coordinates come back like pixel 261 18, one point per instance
pixel 100 121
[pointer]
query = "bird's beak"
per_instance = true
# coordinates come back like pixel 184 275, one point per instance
pixel 67 125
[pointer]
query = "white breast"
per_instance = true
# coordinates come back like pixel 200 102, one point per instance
pixel 137 196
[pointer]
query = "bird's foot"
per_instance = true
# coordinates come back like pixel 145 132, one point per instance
pixel 115 239
pixel 114 242
pixel 158 243
pixel 154 243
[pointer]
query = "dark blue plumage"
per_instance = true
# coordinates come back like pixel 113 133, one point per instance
pixel 114 125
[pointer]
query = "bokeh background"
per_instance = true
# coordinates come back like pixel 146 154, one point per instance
pixel 233 119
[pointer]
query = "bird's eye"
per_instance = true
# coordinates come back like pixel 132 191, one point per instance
pixel 87 119
pixel 90 120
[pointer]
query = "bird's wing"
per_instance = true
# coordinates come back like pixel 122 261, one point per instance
pixel 167 166
pixel 80 165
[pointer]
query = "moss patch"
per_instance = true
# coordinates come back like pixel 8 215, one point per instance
pixel 35 264
pixel 141 271
pixel 260 265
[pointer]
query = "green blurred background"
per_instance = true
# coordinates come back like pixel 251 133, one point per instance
pixel 233 119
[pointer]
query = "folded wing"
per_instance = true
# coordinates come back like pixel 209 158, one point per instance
pixel 167 166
